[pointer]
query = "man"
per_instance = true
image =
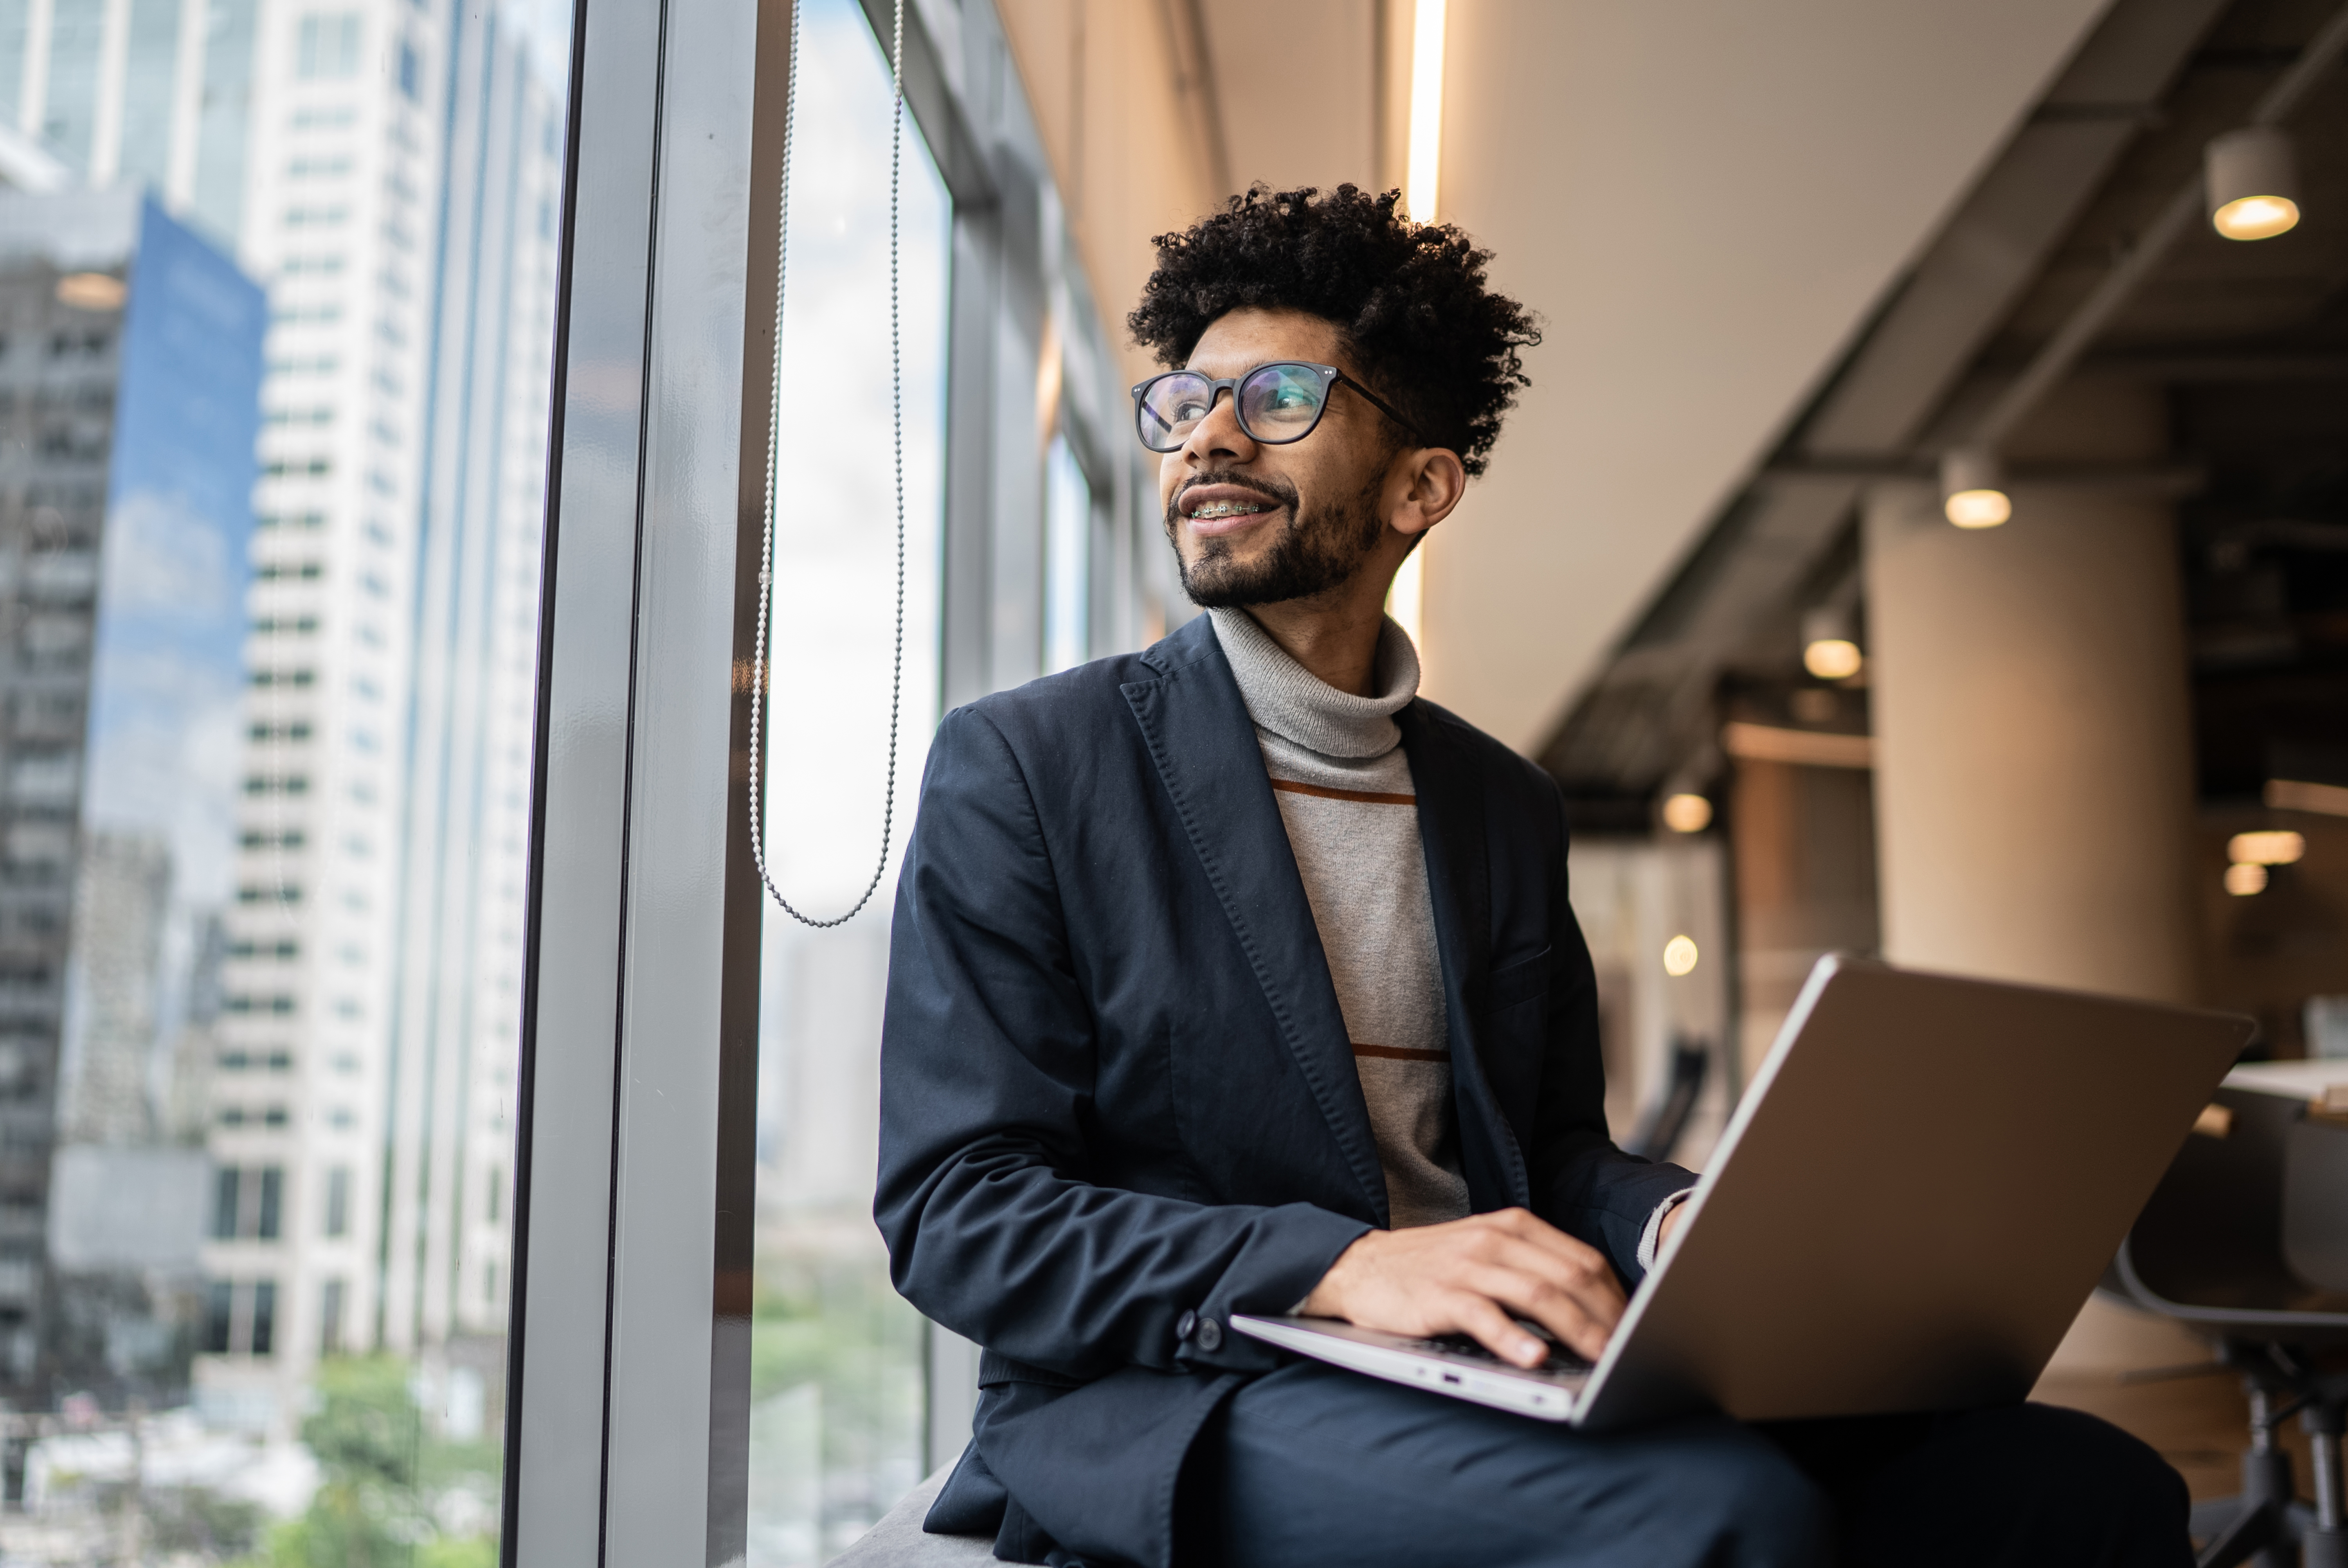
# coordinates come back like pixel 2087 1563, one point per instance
pixel 1231 977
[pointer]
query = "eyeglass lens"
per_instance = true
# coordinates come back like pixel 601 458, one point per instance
pixel 1277 404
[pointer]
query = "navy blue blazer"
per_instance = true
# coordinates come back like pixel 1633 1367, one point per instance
pixel 1117 1099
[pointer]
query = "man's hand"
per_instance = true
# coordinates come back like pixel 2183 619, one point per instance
pixel 1468 1276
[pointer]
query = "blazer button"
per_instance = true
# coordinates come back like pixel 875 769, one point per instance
pixel 1210 1335
pixel 1184 1324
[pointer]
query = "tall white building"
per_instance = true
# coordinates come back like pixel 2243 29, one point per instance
pixel 405 173
pixel 341 216
pixel 455 1025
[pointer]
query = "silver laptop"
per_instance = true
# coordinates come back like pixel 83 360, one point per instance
pixel 1905 1213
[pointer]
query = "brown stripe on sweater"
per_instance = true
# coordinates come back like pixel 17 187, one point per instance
pixel 1399 1053
pixel 1368 797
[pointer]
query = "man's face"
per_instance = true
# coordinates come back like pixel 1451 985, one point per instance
pixel 1253 524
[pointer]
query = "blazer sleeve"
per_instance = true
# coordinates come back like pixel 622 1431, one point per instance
pixel 1582 1182
pixel 987 1063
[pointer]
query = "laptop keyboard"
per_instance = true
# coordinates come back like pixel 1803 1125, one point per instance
pixel 1561 1359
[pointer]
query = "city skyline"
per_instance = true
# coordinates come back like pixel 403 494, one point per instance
pixel 348 915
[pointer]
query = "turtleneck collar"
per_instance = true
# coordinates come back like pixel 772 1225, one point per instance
pixel 1290 701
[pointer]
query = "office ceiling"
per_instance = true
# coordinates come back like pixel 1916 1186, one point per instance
pixel 2245 344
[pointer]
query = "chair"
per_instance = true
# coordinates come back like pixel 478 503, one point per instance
pixel 2246 1241
pixel 1666 1120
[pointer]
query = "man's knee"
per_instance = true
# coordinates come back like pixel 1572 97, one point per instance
pixel 2082 1455
pixel 1753 1503
pixel 2140 1495
pixel 2024 1484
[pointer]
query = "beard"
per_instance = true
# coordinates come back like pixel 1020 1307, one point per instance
pixel 1320 548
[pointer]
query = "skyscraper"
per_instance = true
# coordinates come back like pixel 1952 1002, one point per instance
pixel 128 380
pixel 406 174
pixel 457 1009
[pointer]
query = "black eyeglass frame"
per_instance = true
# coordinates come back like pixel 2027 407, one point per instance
pixel 1331 378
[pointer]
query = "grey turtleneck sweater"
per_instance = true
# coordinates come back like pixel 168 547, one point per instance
pixel 1343 785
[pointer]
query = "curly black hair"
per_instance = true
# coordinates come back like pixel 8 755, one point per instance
pixel 1423 328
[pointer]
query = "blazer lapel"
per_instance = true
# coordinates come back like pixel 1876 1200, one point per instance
pixel 1203 742
pixel 1451 835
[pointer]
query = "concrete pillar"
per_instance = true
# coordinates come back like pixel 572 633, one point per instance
pixel 2033 772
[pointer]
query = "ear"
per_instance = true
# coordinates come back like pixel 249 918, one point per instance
pixel 1422 487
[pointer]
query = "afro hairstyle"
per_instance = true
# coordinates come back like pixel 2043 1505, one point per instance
pixel 1410 299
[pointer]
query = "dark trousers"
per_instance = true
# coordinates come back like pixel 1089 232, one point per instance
pixel 1313 1466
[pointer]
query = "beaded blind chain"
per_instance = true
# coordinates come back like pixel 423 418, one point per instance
pixel 759 672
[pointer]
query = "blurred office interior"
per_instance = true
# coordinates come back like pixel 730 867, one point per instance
pixel 1790 260
pixel 1925 536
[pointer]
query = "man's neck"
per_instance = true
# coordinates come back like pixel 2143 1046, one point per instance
pixel 1334 634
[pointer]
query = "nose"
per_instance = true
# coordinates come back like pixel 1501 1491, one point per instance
pixel 1218 437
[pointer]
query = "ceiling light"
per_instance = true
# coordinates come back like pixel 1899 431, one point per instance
pixel 1972 488
pixel 91 291
pixel 1828 649
pixel 1687 814
pixel 1679 955
pixel 1832 659
pixel 2251 178
pixel 2279 847
pixel 1424 163
pixel 2297 794
pixel 2245 880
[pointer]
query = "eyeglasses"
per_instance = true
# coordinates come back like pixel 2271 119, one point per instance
pixel 1276 404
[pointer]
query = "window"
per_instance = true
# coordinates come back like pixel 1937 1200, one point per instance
pixel 1067 559
pixel 264 1317
pixel 190 440
pixel 328 47
pixel 220 1309
pixel 838 1373
pixel 272 1197
pixel 224 1186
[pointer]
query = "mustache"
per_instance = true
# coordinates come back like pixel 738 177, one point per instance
pixel 1280 492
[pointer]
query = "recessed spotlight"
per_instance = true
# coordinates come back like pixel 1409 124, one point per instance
pixel 1679 955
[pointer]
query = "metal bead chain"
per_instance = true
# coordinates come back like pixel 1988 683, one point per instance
pixel 759 672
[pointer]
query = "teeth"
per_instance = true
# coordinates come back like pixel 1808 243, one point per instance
pixel 1228 510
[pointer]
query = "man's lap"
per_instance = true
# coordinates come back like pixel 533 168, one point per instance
pixel 1314 1465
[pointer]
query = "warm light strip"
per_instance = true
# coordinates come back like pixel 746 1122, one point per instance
pixel 1405 600
pixel 1425 110
pixel 2296 794
pixel 1805 748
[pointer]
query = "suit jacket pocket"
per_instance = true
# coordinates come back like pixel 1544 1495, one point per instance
pixel 1520 981
pixel 1515 1034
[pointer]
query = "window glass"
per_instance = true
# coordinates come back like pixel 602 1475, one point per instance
pixel 1067 559
pixel 267 675
pixel 836 1423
